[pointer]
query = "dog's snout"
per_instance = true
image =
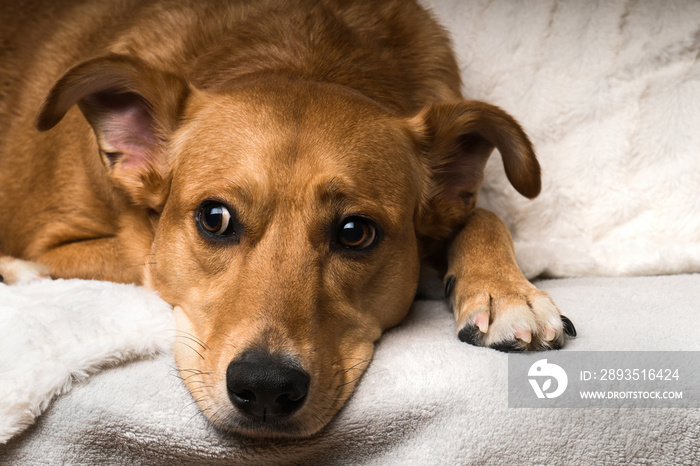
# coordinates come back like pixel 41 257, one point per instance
pixel 266 387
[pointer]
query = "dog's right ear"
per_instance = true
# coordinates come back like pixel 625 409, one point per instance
pixel 132 109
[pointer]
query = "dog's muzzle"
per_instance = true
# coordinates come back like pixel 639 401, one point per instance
pixel 266 387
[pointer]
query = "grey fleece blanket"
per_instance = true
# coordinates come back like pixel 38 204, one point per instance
pixel 427 398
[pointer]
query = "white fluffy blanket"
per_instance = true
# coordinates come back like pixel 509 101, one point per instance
pixel 54 333
pixel 610 94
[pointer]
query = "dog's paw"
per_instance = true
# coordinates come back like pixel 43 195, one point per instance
pixel 13 271
pixel 511 315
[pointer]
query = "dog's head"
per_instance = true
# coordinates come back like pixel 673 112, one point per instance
pixel 287 222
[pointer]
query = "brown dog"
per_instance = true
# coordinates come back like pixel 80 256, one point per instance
pixel 276 170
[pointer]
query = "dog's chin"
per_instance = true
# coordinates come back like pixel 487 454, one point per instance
pixel 269 429
pixel 222 414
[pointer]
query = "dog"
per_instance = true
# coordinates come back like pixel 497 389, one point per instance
pixel 279 171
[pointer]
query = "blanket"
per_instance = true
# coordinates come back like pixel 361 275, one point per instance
pixel 609 93
pixel 427 398
pixel 54 333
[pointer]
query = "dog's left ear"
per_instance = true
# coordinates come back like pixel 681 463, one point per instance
pixel 132 109
pixel 456 140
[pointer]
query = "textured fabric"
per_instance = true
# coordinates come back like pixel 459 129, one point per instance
pixel 427 398
pixel 609 93
pixel 53 333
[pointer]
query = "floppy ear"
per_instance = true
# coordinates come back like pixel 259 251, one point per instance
pixel 132 109
pixel 457 139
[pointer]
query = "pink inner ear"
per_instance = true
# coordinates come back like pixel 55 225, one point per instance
pixel 124 127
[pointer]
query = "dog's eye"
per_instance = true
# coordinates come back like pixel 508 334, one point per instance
pixel 215 219
pixel 357 233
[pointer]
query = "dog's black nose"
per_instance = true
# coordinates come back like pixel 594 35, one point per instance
pixel 266 387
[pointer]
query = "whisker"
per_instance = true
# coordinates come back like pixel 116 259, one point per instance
pixel 194 381
pixel 194 401
pixel 185 379
pixel 185 344
pixel 191 337
pixel 196 371
pixel 350 381
pixel 366 361
pixel 215 416
pixel 200 389
pixel 194 415
pixel 349 359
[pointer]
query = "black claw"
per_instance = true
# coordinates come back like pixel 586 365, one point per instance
pixel 449 286
pixel 508 346
pixel 569 328
pixel 470 334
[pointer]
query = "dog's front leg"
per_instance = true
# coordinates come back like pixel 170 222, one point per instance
pixel 96 259
pixel 493 303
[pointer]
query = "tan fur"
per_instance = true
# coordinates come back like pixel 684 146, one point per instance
pixel 119 118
